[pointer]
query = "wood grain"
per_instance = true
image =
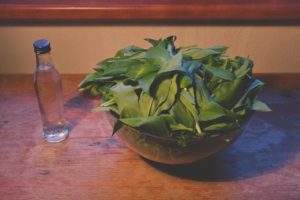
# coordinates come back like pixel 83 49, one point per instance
pixel 264 163
pixel 133 10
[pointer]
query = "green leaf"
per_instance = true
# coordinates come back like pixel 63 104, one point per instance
pixel 140 70
pixel 165 94
pixel 260 106
pixel 174 125
pixel 182 115
pixel 153 124
pixel 222 127
pixel 209 109
pixel 145 82
pixel 221 73
pixel 126 100
pixel 119 67
pixel 180 127
pixel 189 103
pixel 89 79
pixel 249 95
pixel 167 43
pixel 158 55
pixel 244 69
pixel 219 48
pixel 129 51
pixel 173 64
pixel 191 67
pixel 95 91
pixel 185 81
pixel 198 53
pixel 229 93
pixel 152 41
pixel 145 103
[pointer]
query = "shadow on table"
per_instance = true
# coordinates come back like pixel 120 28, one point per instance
pixel 77 108
pixel 270 141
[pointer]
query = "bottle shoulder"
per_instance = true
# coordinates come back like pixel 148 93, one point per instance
pixel 47 73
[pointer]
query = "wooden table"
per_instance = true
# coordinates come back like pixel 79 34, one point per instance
pixel 264 163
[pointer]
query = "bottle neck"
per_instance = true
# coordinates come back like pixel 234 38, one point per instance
pixel 44 61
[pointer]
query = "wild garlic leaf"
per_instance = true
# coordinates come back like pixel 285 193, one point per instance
pixel 129 51
pixel 146 81
pixel 126 100
pixel 174 64
pixel 183 115
pixel 260 106
pixel 219 48
pixel 153 42
pixel 229 93
pixel 180 127
pixel 199 53
pixel 166 96
pixel 250 94
pixel 153 124
pixel 244 69
pixel 221 73
pixel 158 55
pixel 145 103
pixel 209 109
pixel 222 126
pixel 140 70
pixel 185 81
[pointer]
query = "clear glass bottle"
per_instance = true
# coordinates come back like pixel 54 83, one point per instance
pixel 48 88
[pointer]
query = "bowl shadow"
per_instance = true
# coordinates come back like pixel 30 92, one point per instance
pixel 269 142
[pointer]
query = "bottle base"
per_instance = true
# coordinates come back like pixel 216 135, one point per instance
pixel 56 135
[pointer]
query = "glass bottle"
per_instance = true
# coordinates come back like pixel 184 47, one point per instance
pixel 48 88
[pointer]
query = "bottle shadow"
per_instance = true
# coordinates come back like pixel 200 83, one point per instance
pixel 269 142
pixel 77 108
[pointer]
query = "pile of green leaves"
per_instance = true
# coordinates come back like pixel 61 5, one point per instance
pixel 180 93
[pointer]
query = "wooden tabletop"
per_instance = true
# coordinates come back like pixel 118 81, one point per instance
pixel 264 163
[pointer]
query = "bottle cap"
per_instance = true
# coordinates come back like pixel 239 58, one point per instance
pixel 41 46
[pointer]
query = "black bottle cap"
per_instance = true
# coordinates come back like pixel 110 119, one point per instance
pixel 41 46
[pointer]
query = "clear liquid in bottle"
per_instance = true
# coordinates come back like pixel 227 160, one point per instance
pixel 48 88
